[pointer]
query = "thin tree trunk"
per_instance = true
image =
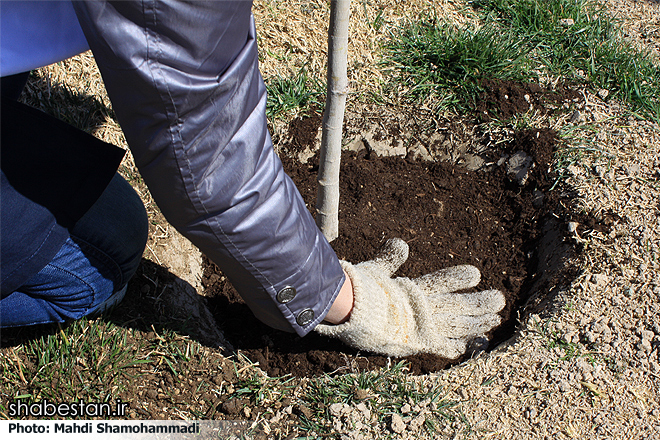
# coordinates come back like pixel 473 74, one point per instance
pixel 327 199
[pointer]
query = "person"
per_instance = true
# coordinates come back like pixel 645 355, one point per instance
pixel 185 86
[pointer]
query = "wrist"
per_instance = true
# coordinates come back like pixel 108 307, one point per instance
pixel 341 309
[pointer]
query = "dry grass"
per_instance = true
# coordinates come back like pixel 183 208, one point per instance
pixel 293 34
pixel 641 21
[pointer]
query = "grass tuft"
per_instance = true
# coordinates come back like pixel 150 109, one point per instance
pixel 67 364
pixel 572 41
pixel 579 41
pixel 296 92
pixel 440 59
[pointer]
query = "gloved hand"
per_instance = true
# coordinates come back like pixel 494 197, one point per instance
pixel 400 317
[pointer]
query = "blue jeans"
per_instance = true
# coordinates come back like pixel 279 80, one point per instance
pixel 99 257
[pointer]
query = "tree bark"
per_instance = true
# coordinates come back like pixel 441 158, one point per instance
pixel 327 199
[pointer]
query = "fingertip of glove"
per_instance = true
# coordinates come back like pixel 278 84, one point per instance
pixel 489 322
pixel 396 246
pixel 497 300
pixel 455 349
pixel 392 255
pixel 470 274
pixel 489 301
pixel 450 280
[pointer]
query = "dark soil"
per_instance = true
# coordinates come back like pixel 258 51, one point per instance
pixel 448 216
pixel 505 99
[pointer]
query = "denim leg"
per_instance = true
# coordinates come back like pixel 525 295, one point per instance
pixel 101 254
pixel 117 225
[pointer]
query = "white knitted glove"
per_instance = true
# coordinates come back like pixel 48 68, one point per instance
pixel 400 317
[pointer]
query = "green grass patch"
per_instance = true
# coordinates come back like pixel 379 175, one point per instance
pixel 82 360
pixel 293 93
pixel 440 60
pixel 574 41
pixel 92 360
pixel 261 389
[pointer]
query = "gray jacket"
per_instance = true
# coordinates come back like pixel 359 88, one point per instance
pixel 184 82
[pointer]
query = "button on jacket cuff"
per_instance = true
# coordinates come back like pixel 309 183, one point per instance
pixel 312 301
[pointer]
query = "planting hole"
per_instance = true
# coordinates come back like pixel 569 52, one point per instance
pixel 491 206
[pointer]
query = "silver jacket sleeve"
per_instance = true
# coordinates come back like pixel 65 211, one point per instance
pixel 184 82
